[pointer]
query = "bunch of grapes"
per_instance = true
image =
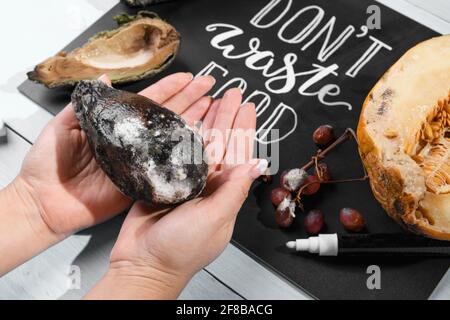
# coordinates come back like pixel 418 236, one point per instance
pixel 295 183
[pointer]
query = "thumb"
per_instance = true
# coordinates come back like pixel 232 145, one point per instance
pixel 104 78
pixel 230 196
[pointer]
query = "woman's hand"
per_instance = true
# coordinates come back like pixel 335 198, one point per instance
pixel 60 173
pixel 159 250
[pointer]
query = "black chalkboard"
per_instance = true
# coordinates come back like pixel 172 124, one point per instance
pixel 256 232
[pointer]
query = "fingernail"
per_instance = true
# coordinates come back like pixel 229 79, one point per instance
pixel 211 79
pixel 259 169
pixel 232 91
pixel 241 90
pixel 190 75
pixel 104 78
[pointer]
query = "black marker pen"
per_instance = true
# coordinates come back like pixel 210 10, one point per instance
pixel 371 244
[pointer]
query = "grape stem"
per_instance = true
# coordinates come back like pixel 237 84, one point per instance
pixel 347 135
pixel 321 154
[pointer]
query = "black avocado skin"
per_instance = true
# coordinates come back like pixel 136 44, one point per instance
pixel 147 150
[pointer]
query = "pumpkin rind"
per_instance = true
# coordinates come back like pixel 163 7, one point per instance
pixel 394 128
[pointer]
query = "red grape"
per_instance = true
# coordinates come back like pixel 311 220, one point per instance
pixel 293 179
pixel 284 216
pixel 352 220
pixel 323 135
pixel 283 174
pixel 313 187
pixel 314 222
pixel 278 195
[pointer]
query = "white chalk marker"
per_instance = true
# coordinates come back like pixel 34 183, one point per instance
pixel 324 245
pixel 371 244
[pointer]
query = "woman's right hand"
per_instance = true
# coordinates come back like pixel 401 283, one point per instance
pixel 158 251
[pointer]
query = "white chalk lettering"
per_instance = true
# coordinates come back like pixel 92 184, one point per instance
pixel 262 105
pixel 256 20
pixel 327 50
pixel 286 74
pixel 308 28
pixel 208 70
pixel 306 31
pixel 376 46
pixel 271 122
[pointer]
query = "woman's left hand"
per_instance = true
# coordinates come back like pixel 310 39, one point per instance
pixel 159 250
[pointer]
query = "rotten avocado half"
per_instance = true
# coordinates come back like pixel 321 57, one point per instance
pixel 147 150
pixel 142 46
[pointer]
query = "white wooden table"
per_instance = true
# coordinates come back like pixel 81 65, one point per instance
pixel 47 26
